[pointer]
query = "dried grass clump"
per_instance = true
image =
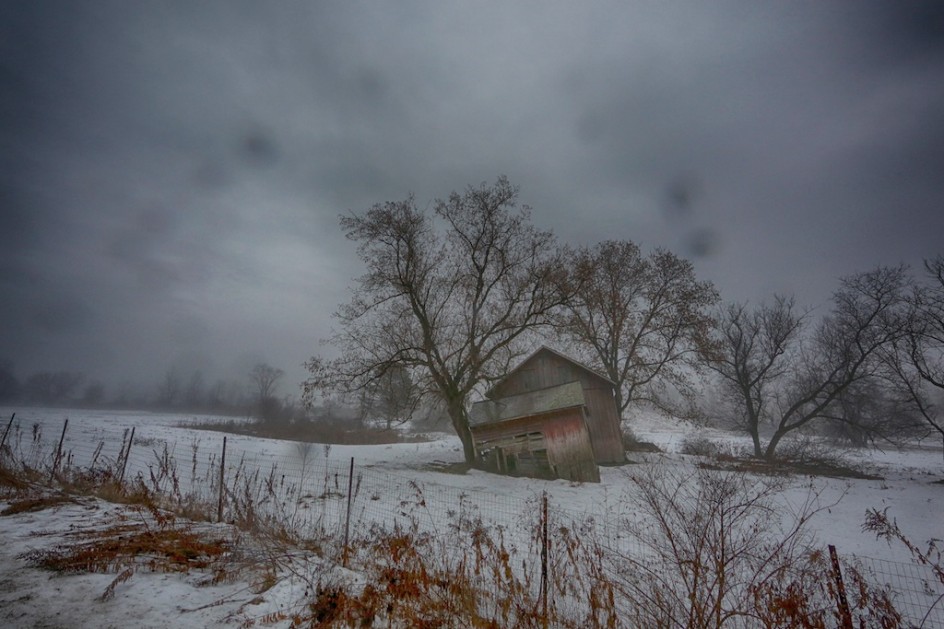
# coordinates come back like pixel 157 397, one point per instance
pixel 155 543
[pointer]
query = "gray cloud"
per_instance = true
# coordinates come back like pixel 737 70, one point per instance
pixel 171 174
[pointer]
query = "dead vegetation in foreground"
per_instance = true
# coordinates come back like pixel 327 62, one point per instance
pixel 708 552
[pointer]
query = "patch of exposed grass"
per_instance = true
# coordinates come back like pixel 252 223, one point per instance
pixel 37 503
pixel 169 549
pixel 780 467
pixel 331 432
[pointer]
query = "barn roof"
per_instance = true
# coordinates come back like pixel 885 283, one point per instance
pixel 545 348
pixel 525 404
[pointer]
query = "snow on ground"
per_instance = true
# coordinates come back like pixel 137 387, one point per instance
pixel 388 478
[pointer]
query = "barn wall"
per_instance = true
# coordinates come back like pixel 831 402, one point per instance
pixel 547 369
pixel 567 442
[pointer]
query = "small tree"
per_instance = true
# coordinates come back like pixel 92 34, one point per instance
pixel 169 389
pixel 392 396
pixel 641 319
pixel 450 298
pixel 265 379
pixel 774 374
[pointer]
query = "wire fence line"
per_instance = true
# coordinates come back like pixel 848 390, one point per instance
pixel 310 491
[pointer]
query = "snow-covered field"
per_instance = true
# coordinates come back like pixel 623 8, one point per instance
pixel 390 483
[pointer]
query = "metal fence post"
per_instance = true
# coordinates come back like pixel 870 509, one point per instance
pixel 3 441
pixel 219 507
pixel 347 517
pixel 544 545
pixel 126 453
pixel 58 459
pixel 845 616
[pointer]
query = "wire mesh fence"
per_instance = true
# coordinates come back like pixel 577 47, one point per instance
pixel 306 489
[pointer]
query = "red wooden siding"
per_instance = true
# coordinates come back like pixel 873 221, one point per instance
pixel 565 444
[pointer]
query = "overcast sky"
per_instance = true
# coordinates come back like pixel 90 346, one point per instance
pixel 171 173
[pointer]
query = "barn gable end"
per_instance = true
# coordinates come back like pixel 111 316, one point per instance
pixel 547 368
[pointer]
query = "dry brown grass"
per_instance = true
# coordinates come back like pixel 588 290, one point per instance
pixel 153 541
pixel 32 504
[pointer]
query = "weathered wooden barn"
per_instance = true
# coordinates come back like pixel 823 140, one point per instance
pixel 552 417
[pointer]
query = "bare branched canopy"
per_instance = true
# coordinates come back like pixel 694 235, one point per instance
pixel 777 374
pixel 640 319
pixel 450 296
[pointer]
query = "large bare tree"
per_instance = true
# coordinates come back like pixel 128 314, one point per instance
pixel 449 297
pixel 640 319
pixel 777 374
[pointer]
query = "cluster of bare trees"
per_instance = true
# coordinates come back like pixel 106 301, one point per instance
pixel 453 297
pixel 871 368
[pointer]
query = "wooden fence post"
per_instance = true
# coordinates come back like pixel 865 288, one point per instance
pixel 544 545
pixel 3 441
pixel 347 517
pixel 845 616
pixel 219 508
pixel 56 461
pixel 124 459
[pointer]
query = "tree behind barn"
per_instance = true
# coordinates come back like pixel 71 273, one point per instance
pixel 448 297
pixel 641 319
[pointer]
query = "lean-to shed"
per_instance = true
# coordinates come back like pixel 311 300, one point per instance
pixel 549 416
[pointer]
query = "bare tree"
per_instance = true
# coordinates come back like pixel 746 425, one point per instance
pixel 391 396
pixel 642 319
pixel 450 305
pixel 917 359
pixel 751 356
pixel 265 379
pixel 775 374
pixel 169 389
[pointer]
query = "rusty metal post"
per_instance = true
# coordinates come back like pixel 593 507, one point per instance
pixel 3 441
pixel 347 517
pixel 124 458
pixel 845 616
pixel 544 546
pixel 58 459
pixel 219 507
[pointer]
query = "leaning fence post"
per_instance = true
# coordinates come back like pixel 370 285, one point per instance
pixel 219 508
pixel 347 517
pixel 3 441
pixel 845 616
pixel 124 459
pixel 55 464
pixel 544 544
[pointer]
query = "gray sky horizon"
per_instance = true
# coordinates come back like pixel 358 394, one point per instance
pixel 172 173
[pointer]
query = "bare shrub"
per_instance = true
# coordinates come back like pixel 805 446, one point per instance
pixel 700 445
pixel 632 443
pixel 714 549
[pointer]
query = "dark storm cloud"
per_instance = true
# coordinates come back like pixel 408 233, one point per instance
pixel 171 174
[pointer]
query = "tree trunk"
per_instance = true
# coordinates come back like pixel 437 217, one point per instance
pixel 772 444
pixel 460 422
pixel 755 437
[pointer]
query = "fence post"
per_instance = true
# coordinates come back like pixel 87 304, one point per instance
pixel 124 459
pixel 845 616
pixel 219 508
pixel 55 464
pixel 544 544
pixel 347 517
pixel 3 441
